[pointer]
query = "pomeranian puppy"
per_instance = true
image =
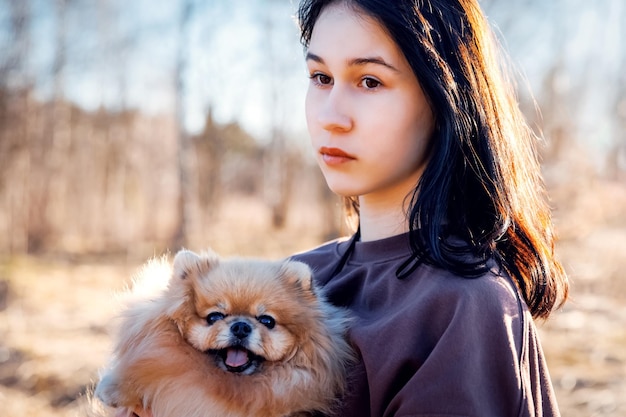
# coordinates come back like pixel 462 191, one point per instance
pixel 229 338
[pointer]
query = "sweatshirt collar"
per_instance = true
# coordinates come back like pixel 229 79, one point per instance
pixel 378 250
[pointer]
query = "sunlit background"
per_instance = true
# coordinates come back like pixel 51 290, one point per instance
pixel 130 128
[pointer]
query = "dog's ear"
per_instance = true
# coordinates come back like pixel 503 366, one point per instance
pixel 185 263
pixel 298 274
pixel 188 263
pixel 187 269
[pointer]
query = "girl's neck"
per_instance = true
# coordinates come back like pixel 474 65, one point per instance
pixel 382 219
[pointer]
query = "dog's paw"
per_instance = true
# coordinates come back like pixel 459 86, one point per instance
pixel 107 391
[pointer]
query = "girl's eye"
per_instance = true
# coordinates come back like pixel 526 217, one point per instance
pixel 267 321
pixel 214 317
pixel 370 83
pixel 321 79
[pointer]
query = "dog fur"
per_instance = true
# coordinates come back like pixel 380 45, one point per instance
pixel 230 338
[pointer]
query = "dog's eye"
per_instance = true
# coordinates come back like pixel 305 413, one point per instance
pixel 214 317
pixel 267 321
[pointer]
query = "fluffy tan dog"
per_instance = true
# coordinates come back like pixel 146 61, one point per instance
pixel 229 338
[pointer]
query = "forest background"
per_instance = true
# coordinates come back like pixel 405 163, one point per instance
pixel 130 129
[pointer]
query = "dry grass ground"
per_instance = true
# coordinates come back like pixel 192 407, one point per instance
pixel 54 313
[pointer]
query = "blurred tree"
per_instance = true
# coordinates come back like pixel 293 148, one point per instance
pixel 15 111
pixel 616 158
pixel 46 157
pixel 279 161
pixel 14 42
pixel 228 161
pixel 113 44
pixel 209 150
pixel 184 216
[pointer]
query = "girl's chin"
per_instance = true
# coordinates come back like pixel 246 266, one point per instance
pixel 341 189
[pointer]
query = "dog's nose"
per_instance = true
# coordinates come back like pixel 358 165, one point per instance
pixel 240 329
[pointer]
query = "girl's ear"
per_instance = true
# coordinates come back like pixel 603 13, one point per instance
pixel 299 274
pixel 188 263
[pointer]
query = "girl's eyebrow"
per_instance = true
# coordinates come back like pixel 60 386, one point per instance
pixel 355 61
pixel 312 57
pixel 372 60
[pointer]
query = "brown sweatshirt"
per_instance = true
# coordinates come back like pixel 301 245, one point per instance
pixel 433 344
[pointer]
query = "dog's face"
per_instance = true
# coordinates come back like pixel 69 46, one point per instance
pixel 242 312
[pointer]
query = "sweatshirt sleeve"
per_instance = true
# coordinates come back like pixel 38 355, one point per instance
pixel 475 354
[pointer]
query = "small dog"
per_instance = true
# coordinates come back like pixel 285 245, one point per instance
pixel 229 338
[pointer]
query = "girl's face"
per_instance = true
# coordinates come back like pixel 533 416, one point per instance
pixel 367 116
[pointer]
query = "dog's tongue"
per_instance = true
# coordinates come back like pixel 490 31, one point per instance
pixel 236 357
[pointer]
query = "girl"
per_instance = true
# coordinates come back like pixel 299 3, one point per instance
pixel 414 123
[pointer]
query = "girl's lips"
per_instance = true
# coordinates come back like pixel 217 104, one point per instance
pixel 335 156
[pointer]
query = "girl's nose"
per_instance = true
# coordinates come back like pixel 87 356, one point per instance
pixel 334 113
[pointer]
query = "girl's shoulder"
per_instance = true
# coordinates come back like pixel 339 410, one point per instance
pixel 323 258
pixel 491 298
pixel 325 249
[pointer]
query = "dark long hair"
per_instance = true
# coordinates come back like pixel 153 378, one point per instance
pixel 482 184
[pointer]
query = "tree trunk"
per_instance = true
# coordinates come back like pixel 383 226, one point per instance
pixel 181 233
